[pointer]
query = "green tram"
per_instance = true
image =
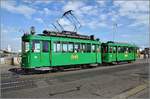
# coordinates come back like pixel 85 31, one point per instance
pixel 117 52
pixel 52 49
pixel 67 49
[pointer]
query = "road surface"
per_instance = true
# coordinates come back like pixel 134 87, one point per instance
pixel 123 80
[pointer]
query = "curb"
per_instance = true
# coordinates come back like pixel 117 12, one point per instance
pixel 131 92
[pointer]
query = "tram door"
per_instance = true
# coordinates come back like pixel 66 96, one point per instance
pixel 36 53
pixel 45 55
pixel 98 53
pixel 112 51
pixel 115 53
pixel 104 53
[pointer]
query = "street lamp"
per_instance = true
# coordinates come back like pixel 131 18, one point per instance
pixel 114 30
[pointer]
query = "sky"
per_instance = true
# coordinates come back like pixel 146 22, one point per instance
pixel 127 20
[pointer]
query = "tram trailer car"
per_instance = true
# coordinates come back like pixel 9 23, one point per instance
pixel 118 52
pixel 57 50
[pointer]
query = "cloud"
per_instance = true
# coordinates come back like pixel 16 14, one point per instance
pixel 43 1
pixel 132 6
pixel 37 1
pixel 96 24
pixel 125 35
pixel 103 17
pixel 88 15
pixel 136 10
pixel 66 24
pixel 101 3
pixel 40 20
pixel 81 8
pixel 73 5
pixel 89 10
pixel 46 11
pixel 12 7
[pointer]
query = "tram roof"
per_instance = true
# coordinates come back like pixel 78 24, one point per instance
pixel 58 38
pixel 111 43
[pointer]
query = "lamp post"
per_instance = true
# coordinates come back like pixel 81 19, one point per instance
pixel 114 30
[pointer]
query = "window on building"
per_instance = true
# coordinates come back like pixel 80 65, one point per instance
pixel 64 47
pixel 45 46
pixel 70 47
pixel 36 46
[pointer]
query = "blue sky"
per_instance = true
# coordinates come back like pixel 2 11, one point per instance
pixel 97 18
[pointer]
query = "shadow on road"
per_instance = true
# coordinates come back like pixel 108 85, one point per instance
pixel 21 71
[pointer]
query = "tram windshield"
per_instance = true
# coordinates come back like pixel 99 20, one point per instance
pixel 25 46
pixel 36 46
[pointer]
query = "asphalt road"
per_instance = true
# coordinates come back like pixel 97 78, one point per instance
pixel 100 82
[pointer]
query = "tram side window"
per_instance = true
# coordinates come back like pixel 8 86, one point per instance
pixel 54 46
pixel 134 49
pixel 36 46
pixel 104 49
pixel 119 49
pixel 126 50
pixel 88 47
pixel 98 48
pixel 70 47
pixel 58 47
pixel 93 48
pixel 64 47
pixel 122 50
pixel 83 47
pixel 110 49
pixel 114 49
pixel 130 49
pixel 45 46
pixel 76 47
